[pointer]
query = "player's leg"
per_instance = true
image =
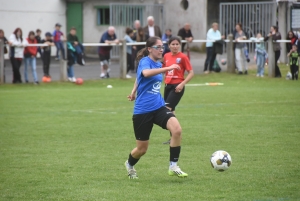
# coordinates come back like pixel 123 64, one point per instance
pixel 142 124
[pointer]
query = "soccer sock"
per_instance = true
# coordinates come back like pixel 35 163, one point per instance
pixel 174 155
pixel 132 161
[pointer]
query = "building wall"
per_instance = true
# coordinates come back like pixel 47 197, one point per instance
pixel 32 14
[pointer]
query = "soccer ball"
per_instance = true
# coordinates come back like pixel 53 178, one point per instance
pixel 288 76
pixel 79 81
pixel 223 61
pixel 220 160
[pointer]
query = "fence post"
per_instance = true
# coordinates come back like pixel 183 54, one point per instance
pixel 63 65
pixel 1 61
pixel 230 55
pixel 271 58
pixel 123 60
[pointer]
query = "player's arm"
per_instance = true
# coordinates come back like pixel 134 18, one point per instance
pixel 152 72
pixel 132 95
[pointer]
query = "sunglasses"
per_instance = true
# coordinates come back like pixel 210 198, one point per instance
pixel 158 47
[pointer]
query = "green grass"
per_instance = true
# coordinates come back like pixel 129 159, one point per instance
pixel 60 141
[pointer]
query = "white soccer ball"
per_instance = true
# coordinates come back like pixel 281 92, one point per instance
pixel 220 160
pixel 223 61
pixel 288 76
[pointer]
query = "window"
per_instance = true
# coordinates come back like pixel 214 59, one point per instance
pixel 103 15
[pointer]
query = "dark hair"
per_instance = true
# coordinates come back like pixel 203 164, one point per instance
pixel 170 30
pixel 38 31
pixel 144 52
pixel 174 38
pixel 140 29
pixel 16 31
pixel 128 31
pixel 73 28
pixel 240 25
pixel 275 27
pixel 31 33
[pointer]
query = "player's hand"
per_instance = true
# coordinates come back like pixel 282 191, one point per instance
pixel 179 88
pixel 131 97
pixel 174 66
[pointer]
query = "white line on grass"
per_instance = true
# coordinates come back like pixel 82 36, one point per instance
pixel 99 111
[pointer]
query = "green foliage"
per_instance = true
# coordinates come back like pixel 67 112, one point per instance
pixel 60 141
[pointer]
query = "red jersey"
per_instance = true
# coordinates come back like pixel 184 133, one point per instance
pixel 176 76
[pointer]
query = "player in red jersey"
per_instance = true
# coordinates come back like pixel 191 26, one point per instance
pixel 174 79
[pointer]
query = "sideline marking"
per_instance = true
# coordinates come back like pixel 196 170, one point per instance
pixel 205 84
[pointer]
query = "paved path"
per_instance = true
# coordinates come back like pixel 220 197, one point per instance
pixel 91 70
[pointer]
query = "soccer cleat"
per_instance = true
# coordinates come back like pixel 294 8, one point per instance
pixel 176 171
pixel 167 142
pixel 131 171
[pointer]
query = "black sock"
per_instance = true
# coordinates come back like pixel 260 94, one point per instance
pixel 174 153
pixel 132 161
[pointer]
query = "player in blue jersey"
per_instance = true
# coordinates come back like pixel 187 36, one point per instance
pixel 149 107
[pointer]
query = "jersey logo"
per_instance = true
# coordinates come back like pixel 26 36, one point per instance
pixel 171 72
pixel 178 60
pixel 156 87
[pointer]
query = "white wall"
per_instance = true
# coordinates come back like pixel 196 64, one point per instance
pixel 30 15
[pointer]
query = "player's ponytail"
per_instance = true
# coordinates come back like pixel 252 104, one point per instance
pixel 144 52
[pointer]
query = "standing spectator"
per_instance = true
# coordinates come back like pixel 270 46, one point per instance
pixel 290 36
pixel 260 55
pixel 165 38
pixel 47 55
pixel 212 34
pixel 186 34
pixel 240 57
pixel 6 42
pixel 30 57
pixel 136 26
pixel 108 37
pixel 151 29
pixel 16 54
pixel 294 62
pixel 276 47
pixel 38 40
pixel 57 36
pixel 127 38
pixel 141 37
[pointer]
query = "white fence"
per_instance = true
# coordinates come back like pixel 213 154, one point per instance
pixel 123 58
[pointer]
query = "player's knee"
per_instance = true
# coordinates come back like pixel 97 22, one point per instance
pixel 142 150
pixel 176 131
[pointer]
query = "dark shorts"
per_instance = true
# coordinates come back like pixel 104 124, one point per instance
pixel 143 123
pixel 171 97
pixel 103 57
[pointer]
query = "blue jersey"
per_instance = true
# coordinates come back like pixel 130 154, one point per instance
pixel 148 88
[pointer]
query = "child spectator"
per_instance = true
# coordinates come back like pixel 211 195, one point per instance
pixel 30 57
pixel 47 54
pixel 57 35
pixel 260 55
pixel 128 39
pixel 38 40
pixel 16 53
pixel 165 38
pixel 294 62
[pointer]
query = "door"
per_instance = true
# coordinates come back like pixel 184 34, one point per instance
pixel 75 18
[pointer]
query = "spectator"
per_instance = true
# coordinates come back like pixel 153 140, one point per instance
pixel 141 37
pixel 108 37
pixel 290 36
pixel 16 54
pixel 186 34
pixel 165 38
pixel 47 54
pixel 240 57
pixel 38 40
pixel 260 55
pixel 136 26
pixel 30 57
pixel 57 36
pixel 128 39
pixel 294 62
pixel 6 42
pixel 212 34
pixel 75 51
pixel 276 47
pixel 151 29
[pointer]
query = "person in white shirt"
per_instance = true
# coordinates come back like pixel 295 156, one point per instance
pixel 16 54
pixel 212 34
pixel 151 29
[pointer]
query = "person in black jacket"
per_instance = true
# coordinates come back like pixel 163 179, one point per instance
pixel 186 34
pixel 39 40
pixel 47 54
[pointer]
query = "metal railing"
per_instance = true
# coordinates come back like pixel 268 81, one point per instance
pixel 123 58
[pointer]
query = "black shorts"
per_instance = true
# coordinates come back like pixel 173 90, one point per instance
pixel 103 57
pixel 171 97
pixel 143 123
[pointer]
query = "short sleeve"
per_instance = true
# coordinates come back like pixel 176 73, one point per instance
pixel 143 65
pixel 187 63
pixel 103 38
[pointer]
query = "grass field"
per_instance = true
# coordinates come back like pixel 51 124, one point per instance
pixel 60 141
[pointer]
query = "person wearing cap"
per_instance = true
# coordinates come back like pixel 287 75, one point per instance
pixel 47 54
pixel 57 35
